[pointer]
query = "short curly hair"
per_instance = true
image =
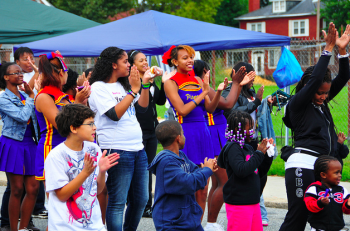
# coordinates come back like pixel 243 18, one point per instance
pixel 72 115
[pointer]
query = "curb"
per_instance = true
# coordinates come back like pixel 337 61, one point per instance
pixel 278 205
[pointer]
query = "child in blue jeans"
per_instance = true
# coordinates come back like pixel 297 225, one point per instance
pixel 178 178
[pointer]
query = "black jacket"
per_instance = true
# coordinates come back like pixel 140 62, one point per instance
pixel 329 217
pixel 313 126
pixel 244 168
pixel 242 103
pixel 148 120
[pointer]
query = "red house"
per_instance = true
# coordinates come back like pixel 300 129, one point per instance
pixel 294 18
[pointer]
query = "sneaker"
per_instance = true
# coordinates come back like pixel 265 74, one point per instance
pixel 5 228
pixel 31 226
pixel 43 214
pixel 265 223
pixel 213 227
pixel 147 213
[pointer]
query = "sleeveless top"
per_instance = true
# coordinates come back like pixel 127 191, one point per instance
pixel 49 134
pixel 216 118
pixel 187 95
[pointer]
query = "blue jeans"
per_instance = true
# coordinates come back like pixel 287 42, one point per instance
pixel 127 180
pixel 263 209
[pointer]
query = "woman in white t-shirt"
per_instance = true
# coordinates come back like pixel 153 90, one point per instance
pixel 115 99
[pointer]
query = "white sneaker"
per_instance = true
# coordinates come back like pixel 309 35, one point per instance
pixel 213 227
pixel 265 223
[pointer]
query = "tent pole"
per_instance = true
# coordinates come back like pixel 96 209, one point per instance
pixel 286 90
pixel 212 71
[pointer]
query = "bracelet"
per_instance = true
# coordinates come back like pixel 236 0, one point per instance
pixel 130 92
pixel 195 102
pixel 342 56
pixel 145 86
pixel 326 53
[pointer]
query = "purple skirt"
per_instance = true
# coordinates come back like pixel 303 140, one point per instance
pixel 198 143
pixel 17 157
pixel 217 133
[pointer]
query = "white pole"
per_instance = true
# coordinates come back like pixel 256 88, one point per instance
pixel 286 90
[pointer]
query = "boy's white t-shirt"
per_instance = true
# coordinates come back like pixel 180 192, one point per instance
pixel 125 134
pixel 81 211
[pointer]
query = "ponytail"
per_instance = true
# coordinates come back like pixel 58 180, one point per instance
pixel 50 71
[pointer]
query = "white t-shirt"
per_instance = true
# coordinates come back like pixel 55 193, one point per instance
pixel 81 211
pixel 28 76
pixel 125 134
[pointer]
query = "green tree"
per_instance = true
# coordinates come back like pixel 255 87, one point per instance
pixel 336 11
pixel 230 9
pixel 96 10
pixel 203 10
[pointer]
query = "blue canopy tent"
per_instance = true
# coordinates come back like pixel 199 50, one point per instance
pixel 153 33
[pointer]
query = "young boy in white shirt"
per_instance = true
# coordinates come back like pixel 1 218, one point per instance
pixel 76 172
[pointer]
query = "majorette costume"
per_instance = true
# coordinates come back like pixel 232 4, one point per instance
pixel 198 140
pixel 217 124
pixel 18 156
pixel 49 137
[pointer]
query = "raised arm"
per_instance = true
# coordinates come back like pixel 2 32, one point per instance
pixel 343 75
pixel 304 96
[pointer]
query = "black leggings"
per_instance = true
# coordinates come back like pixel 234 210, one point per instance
pixel 150 142
pixel 297 181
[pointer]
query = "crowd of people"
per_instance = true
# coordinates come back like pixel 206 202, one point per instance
pixel 90 142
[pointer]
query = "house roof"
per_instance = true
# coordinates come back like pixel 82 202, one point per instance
pixel 294 9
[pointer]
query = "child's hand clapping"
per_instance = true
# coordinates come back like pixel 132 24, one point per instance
pixel 325 200
pixel 106 162
pixel 89 164
pixel 262 147
pixel 210 163
pixel 341 137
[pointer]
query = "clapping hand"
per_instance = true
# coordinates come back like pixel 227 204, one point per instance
pixel 223 85
pixel 89 164
pixel 206 87
pixel 344 40
pixel 331 37
pixel 210 163
pixel 27 89
pixel 248 78
pixel 262 147
pixel 239 76
pixel 341 137
pixel 167 75
pixel 106 162
pixel 134 79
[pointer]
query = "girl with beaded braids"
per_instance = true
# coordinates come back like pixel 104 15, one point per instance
pixel 188 98
pixel 115 98
pixel 309 118
pixel 244 168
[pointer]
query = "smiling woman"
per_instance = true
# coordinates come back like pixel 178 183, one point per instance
pixel 115 100
pixel 17 145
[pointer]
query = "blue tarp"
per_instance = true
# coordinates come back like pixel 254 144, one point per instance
pixel 153 33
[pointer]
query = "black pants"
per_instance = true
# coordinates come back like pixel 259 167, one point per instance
pixel 150 142
pixel 297 181
pixel 39 205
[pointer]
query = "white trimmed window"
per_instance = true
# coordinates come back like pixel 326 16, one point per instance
pixel 299 28
pixel 258 26
pixel 235 56
pixel 278 6
pixel 274 56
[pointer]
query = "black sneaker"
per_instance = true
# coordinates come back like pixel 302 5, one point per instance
pixel 31 226
pixel 43 215
pixel 147 212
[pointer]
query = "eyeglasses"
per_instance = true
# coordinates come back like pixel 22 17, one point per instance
pixel 92 124
pixel 17 73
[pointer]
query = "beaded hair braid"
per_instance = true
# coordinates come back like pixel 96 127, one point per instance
pixel 235 122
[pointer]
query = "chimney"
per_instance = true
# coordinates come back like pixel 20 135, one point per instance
pixel 254 5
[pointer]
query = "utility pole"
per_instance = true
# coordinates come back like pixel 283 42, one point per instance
pixel 318 20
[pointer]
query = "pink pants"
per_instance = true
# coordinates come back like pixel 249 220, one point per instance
pixel 243 217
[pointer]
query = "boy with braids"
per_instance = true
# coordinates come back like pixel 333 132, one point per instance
pixel 178 178
pixel 325 199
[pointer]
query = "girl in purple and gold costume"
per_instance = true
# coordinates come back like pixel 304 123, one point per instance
pixel 48 101
pixel 188 98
